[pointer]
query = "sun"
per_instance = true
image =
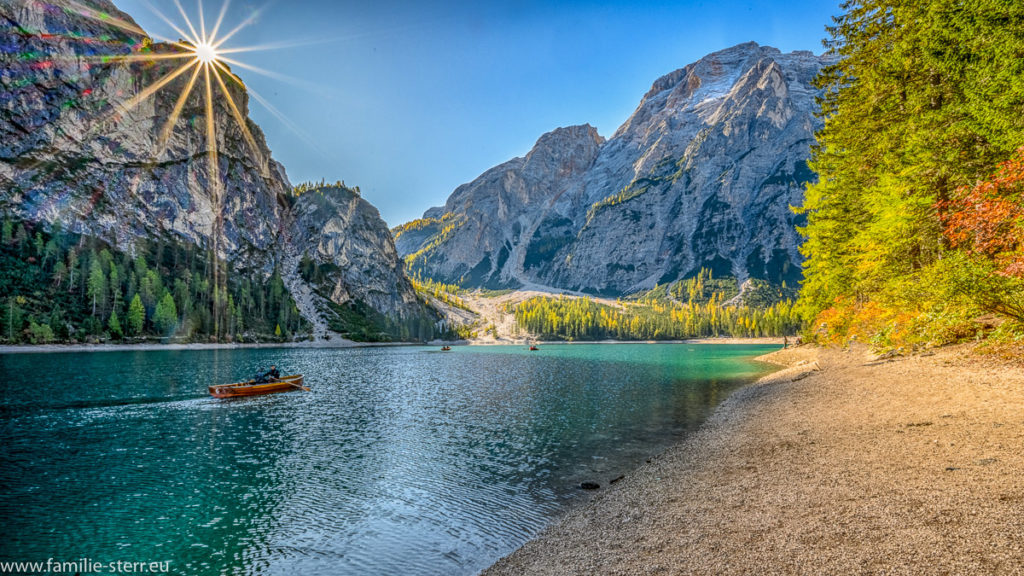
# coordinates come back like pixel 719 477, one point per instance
pixel 204 60
pixel 206 53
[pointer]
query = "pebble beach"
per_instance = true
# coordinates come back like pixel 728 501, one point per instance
pixel 839 463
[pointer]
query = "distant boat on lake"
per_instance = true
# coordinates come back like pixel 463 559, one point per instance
pixel 254 388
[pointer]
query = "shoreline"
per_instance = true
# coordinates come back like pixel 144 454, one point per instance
pixel 339 343
pixel 151 347
pixel 766 340
pixel 837 463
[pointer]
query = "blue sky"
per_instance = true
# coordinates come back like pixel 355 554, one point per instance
pixel 410 99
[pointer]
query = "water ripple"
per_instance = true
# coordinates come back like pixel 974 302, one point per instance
pixel 400 461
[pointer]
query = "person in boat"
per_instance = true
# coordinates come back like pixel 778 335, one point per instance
pixel 269 375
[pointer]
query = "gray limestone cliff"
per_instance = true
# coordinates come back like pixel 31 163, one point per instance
pixel 83 144
pixel 702 175
pixel 343 232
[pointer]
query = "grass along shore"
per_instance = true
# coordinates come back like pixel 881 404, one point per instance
pixel 838 464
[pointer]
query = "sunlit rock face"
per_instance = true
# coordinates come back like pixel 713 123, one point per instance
pixel 490 220
pixel 79 146
pixel 701 175
pixel 337 227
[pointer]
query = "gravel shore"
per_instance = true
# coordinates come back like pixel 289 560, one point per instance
pixel 838 464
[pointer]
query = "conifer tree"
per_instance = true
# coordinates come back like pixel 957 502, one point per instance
pixel 136 316
pixel 165 319
pixel 114 324
pixel 924 98
pixel 97 288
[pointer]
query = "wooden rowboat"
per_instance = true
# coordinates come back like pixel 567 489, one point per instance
pixel 252 388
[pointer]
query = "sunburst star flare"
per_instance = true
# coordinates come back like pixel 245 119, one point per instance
pixel 205 64
pixel 206 53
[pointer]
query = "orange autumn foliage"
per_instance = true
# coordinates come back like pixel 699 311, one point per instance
pixel 884 327
pixel 847 319
pixel 987 219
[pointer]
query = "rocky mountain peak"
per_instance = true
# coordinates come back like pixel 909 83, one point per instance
pixel 705 83
pixel 86 143
pixel 53 18
pixel 561 153
pixel 701 175
pixel 567 142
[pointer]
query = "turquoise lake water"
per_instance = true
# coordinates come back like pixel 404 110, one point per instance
pixel 401 460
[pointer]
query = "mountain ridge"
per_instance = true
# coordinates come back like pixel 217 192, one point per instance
pixel 700 175
pixel 83 144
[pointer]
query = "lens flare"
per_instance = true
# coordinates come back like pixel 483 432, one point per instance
pixel 206 53
pixel 204 62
